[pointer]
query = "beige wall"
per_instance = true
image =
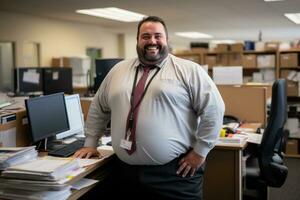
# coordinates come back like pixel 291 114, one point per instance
pixel 57 38
pixel 130 46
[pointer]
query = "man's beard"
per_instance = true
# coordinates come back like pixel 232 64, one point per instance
pixel 145 58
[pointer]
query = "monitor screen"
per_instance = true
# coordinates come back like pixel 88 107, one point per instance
pixel 57 80
pixel 28 80
pixel 75 117
pixel 103 66
pixel 47 116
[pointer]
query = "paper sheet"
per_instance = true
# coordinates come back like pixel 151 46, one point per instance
pixel 87 162
pixel 82 183
pixel 254 138
pixel 31 76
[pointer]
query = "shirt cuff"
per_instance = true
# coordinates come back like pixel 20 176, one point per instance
pixel 203 148
pixel 91 141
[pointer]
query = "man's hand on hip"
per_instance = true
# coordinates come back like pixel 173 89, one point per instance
pixel 190 163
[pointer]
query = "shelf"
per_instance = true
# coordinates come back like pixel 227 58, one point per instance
pixel 260 52
pixel 225 52
pixel 290 51
pixel 290 68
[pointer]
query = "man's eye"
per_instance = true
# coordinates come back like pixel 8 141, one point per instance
pixel 146 37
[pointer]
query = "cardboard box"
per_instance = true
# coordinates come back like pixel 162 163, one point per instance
pixel 211 60
pixel 266 61
pixel 259 46
pixel 291 75
pixel 199 49
pixel 195 58
pixel 79 81
pixel 222 48
pixel 23 130
pixel 270 46
pixel 235 59
pixel 16 132
pixel 292 146
pixel 238 47
pixel 249 61
pixel 292 88
pixel 60 62
pixel 222 59
pixel 289 60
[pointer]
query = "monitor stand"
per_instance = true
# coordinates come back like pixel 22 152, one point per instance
pixel 49 144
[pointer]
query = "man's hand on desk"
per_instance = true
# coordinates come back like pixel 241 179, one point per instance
pixel 86 152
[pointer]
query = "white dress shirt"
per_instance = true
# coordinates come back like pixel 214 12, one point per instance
pixel 181 109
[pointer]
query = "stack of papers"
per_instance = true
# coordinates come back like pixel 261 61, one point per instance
pixel 234 139
pixel 105 151
pixel 44 178
pixel 45 168
pixel 10 156
pixel 240 138
pixel 37 195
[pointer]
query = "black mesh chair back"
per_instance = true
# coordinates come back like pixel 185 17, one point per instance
pixel 272 169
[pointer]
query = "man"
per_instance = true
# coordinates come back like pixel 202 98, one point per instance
pixel 163 133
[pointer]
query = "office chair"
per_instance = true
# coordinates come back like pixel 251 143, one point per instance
pixel 267 169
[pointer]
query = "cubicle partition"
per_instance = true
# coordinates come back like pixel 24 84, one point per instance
pixel 248 103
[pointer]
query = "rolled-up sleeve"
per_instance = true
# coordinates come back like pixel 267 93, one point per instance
pixel 209 107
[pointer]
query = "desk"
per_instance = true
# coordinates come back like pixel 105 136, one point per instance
pixel 222 178
pixel 223 173
pixel 98 171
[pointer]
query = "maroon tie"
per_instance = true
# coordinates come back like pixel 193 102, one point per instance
pixel 138 91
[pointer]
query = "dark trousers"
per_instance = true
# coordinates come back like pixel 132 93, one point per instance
pixel 156 182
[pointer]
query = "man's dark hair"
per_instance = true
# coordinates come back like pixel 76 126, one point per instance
pixel 151 19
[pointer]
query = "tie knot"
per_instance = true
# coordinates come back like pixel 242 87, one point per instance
pixel 147 68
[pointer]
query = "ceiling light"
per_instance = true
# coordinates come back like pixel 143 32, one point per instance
pixel 113 13
pixel 193 35
pixel 294 17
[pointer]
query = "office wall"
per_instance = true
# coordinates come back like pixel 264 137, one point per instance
pixel 6 66
pixel 56 37
pixel 130 46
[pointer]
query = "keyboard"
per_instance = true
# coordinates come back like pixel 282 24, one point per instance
pixel 68 149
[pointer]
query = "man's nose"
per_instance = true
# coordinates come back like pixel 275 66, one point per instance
pixel 153 40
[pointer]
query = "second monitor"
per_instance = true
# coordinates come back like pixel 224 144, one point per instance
pixel 57 80
pixel 75 117
pixel 103 66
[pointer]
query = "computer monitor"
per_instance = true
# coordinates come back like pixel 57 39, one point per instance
pixel 75 117
pixel 28 80
pixel 47 116
pixel 57 80
pixel 103 66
